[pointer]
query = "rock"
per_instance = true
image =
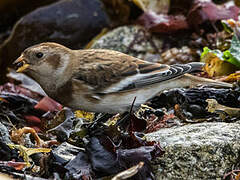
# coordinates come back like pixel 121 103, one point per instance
pixel 133 40
pixel 12 10
pixel 4 134
pixel 197 151
pixel 71 23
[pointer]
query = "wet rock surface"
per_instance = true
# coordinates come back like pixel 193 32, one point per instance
pixel 71 23
pixel 197 151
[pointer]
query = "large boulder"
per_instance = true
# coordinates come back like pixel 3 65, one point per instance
pixel 197 151
pixel 12 10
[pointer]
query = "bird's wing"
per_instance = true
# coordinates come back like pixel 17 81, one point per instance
pixel 124 73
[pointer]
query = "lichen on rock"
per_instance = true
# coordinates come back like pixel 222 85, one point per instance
pixel 197 151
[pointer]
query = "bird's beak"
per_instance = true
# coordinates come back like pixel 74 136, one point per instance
pixel 21 64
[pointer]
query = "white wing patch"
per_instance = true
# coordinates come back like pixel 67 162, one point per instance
pixel 140 80
pixel 127 81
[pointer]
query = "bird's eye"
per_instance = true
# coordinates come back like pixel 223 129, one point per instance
pixel 39 55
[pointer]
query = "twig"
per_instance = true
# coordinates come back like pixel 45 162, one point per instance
pixel 4 115
pixel 133 104
pixel 231 173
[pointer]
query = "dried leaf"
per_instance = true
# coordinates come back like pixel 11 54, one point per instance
pixel 215 66
pixel 237 177
pixel 2 99
pixel 157 6
pixel 47 104
pixel 205 11
pixel 231 78
pixel 63 124
pixel 161 23
pixel 230 25
pixel 215 107
pixel 33 121
pixel 83 170
pixel 18 90
pixel 113 120
pixel 26 152
pixel 129 172
pixel 83 114
pixel 16 165
pixel 17 136
pixel 26 82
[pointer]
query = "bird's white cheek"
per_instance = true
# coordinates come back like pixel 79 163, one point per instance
pixel 63 64
pixel 45 70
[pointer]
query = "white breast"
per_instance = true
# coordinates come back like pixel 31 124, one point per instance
pixel 121 102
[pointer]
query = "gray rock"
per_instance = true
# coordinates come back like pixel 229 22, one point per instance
pixel 133 40
pixel 197 151
pixel 71 23
pixel 4 134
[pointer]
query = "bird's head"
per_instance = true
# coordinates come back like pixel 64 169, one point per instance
pixel 43 60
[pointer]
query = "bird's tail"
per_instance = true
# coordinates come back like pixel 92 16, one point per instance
pixel 196 66
pixel 205 81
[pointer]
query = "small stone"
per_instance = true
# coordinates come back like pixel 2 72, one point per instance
pixel 167 55
pixel 174 51
pixel 186 50
pixel 186 59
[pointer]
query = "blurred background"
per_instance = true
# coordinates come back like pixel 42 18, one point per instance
pixel 164 31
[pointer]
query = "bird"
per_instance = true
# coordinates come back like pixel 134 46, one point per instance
pixel 102 80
